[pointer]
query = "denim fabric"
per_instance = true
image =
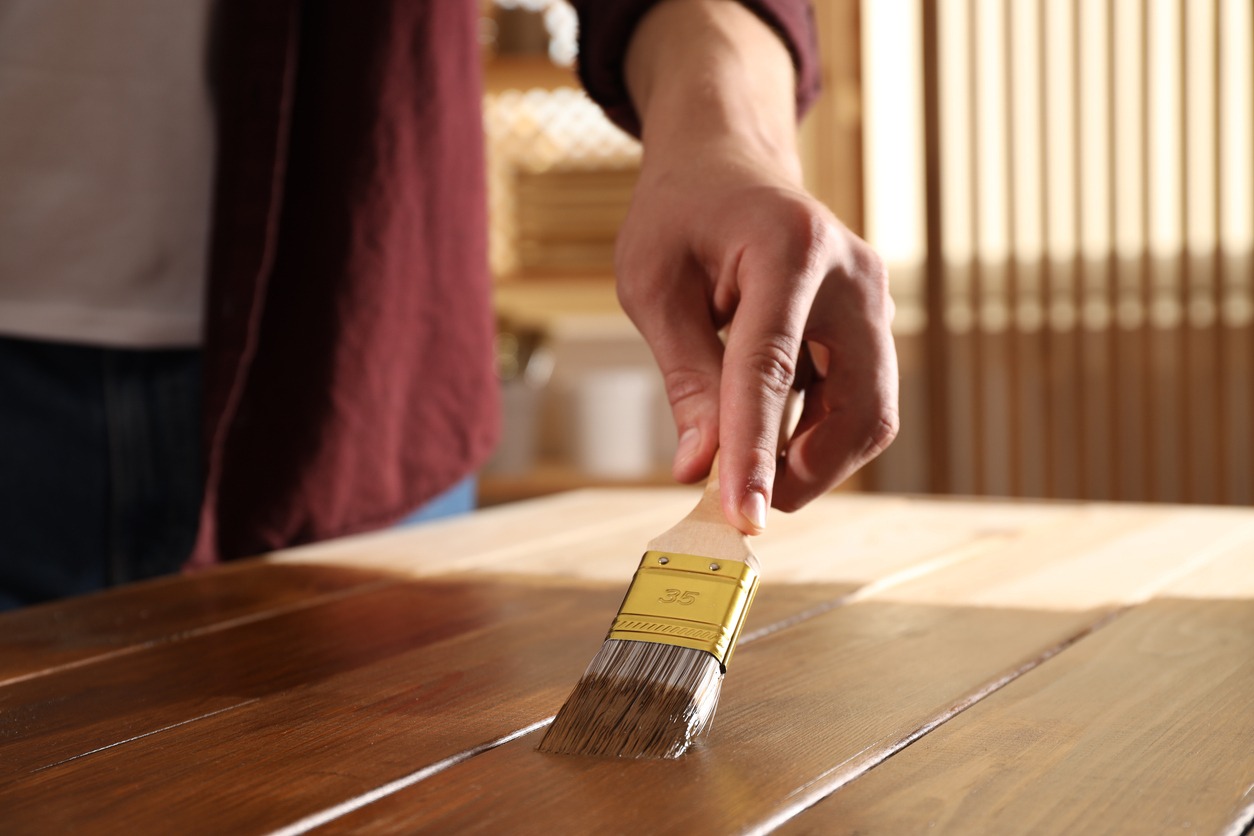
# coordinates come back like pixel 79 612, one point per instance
pixel 100 477
pixel 459 499
pixel 100 474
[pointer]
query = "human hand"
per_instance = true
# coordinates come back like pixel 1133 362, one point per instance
pixel 722 237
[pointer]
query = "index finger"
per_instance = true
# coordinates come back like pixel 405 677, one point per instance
pixel 759 364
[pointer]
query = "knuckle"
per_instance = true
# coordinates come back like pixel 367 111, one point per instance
pixel 762 459
pixel 882 431
pixel 773 362
pixel 686 385
pixel 874 269
pixel 872 273
pixel 813 231
pixel 633 294
pixel 641 280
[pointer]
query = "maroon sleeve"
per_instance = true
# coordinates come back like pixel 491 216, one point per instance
pixel 606 27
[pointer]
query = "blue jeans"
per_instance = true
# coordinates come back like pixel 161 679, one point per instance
pixel 459 499
pixel 100 478
pixel 100 475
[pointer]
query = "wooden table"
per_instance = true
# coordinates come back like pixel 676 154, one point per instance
pixel 910 666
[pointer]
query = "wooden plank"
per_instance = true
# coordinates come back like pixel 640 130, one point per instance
pixel 600 535
pixel 883 542
pixel 1147 726
pixel 81 630
pixel 66 713
pixel 830 138
pixel 292 740
pixel 803 707
pixel 874 549
pixel 495 537
pixel 808 709
pixel 357 724
pixel 1101 555
pixel 595 535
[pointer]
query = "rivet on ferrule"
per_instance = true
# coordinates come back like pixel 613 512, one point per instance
pixel 688 601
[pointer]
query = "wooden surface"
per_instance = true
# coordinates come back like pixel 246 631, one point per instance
pixel 910 666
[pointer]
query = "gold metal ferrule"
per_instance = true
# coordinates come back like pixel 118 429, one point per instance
pixel 688 601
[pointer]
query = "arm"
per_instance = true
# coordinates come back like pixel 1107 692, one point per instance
pixel 722 234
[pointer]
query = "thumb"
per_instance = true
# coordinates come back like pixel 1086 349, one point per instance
pixel 677 325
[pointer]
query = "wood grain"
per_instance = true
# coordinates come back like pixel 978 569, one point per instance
pixel 875 676
pixel 704 531
pixel 1097 555
pixel 600 535
pixel 805 710
pixel 365 700
pixel 62 715
pixel 44 638
pixel 1145 727
pixel 821 703
pixel 326 739
pixel 406 696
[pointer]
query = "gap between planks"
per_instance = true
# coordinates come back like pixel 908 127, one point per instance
pixel 842 774
pixel 353 804
pixel 150 733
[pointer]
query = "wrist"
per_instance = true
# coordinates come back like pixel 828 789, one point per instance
pixel 709 74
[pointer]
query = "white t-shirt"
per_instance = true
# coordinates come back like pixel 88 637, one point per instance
pixel 106 169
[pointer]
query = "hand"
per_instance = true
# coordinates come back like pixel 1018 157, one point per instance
pixel 721 234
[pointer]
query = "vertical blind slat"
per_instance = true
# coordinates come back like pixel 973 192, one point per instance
pixel 1087 324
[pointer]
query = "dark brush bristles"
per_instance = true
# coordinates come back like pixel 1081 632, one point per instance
pixel 638 700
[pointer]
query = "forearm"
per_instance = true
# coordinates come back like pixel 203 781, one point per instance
pixel 711 71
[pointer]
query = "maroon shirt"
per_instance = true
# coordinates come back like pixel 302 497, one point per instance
pixel 349 366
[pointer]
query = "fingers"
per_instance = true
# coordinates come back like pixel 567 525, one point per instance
pixel 783 273
pixel 846 424
pixel 850 413
pixel 673 314
pixel 778 282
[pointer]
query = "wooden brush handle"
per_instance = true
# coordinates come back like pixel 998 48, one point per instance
pixel 706 531
pixel 706 522
pixel 710 505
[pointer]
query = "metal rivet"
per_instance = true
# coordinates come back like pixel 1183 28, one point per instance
pixel 663 560
pixel 713 567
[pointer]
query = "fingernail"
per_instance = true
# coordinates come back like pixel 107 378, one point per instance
pixel 689 441
pixel 753 509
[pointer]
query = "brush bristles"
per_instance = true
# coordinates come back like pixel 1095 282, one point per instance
pixel 638 700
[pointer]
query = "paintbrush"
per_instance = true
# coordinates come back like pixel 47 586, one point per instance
pixel 652 689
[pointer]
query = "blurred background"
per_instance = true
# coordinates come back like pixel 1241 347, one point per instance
pixel 1063 190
